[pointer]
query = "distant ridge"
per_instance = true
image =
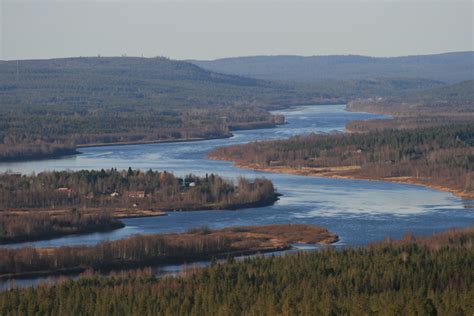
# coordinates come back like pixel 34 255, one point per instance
pixel 447 67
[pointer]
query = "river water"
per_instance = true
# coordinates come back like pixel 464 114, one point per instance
pixel 358 211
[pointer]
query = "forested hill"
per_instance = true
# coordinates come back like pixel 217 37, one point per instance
pixel 106 81
pixel 448 67
pixel 48 106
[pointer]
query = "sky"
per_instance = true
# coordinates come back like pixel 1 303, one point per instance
pixel 205 29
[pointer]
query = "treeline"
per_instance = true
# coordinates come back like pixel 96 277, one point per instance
pixel 142 250
pixel 34 226
pixel 132 188
pixel 408 279
pixel 435 156
pixel 25 135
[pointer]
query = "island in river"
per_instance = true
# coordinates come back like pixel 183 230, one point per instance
pixel 145 250
pixel 53 204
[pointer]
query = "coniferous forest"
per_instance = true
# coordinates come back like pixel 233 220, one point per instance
pixel 344 130
pixel 411 276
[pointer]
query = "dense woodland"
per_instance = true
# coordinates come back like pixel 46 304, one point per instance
pixel 426 276
pixel 88 199
pixel 142 250
pixel 438 155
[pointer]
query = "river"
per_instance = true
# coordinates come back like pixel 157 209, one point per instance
pixel 358 211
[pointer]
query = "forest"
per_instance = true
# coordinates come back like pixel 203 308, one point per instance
pixel 437 156
pixel 411 276
pixel 141 250
pixel 63 202
pixel 50 107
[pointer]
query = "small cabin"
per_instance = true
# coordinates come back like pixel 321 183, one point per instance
pixel 136 194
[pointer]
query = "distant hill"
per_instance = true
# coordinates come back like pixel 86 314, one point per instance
pixel 112 81
pixel 92 83
pixel 448 67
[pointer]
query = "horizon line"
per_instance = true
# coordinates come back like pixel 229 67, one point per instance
pixel 242 56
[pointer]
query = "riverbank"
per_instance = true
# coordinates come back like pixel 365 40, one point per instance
pixel 115 213
pixel 74 151
pixel 348 172
pixel 432 156
pixel 174 248
pixel 158 141
pixel 38 156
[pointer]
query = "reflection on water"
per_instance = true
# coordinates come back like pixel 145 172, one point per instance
pixel 358 211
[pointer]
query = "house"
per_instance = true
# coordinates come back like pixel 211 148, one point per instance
pixel 188 182
pixel 136 194
pixel 65 191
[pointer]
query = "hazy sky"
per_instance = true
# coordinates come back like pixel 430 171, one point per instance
pixel 204 29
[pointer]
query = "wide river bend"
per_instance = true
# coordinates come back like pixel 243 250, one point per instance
pixel 358 211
